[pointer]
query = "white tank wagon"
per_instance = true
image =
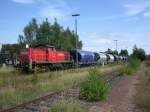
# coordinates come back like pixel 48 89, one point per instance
pixel 121 58
pixel 102 58
pixel 110 58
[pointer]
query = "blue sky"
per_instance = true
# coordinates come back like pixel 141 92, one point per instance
pixel 100 23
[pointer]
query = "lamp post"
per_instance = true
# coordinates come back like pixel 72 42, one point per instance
pixel 75 16
pixel 116 44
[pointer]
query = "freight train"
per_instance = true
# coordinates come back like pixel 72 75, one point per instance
pixel 44 56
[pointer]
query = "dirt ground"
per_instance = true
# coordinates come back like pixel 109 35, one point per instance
pixel 121 97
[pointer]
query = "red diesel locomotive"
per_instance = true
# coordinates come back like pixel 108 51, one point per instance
pixel 43 56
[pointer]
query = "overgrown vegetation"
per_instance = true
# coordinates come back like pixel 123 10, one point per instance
pixel 130 67
pixel 68 106
pixel 147 63
pixel 95 87
pixel 34 78
pixel 16 87
pixel 142 96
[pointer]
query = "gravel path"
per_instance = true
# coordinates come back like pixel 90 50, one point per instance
pixel 121 97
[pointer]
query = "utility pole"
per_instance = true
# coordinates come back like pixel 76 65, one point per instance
pixel 76 34
pixel 116 44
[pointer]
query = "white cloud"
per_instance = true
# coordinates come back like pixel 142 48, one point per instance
pixel 102 41
pixel 56 9
pixel 136 8
pixel 51 12
pixel 55 12
pixel 51 8
pixel 24 1
pixel 147 14
pixel 96 41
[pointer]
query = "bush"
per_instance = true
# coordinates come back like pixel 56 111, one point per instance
pixel 134 63
pixel 67 106
pixel 126 71
pixel 131 67
pixel 95 87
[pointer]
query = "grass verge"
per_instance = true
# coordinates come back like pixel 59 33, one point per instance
pixel 142 96
pixel 16 88
pixel 130 67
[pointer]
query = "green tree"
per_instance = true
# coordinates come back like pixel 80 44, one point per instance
pixel 57 35
pixel 109 51
pixel 30 32
pixel 9 51
pixel 138 53
pixel 115 52
pixel 123 52
pixel 44 34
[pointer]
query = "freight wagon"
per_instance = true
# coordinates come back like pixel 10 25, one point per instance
pixel 102 58
pixel 110 58
pixel 84 57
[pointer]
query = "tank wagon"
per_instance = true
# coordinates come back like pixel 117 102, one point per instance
pixel 110 58
pixel 84 57
pixel 116 58
pixel 102 58
pixel 43 56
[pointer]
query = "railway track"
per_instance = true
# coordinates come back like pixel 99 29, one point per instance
pixel 45 102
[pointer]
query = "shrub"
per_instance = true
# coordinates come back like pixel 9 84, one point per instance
pixel 134 63
pixel 125 71
pixel 131 67
pixel 95 87
pixel 67 106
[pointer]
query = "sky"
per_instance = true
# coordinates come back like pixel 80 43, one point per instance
pixel 99 24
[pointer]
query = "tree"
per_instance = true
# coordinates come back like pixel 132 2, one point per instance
pixel 109 51
pixel 138 53
pixel 44 34
pixel 148 57
pixel 115 52
pixel 30 33
pixel 50 34
pixel 123 52
pixel 9 51
pixel 57 35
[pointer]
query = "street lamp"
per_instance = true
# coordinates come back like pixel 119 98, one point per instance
pixel 75 16
pixel 116 44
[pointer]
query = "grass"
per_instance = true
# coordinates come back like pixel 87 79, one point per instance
pixel 130 67
pixel 142 96
pixel 147 63
pixel 68 106
pixel 16 88
pixel 95 88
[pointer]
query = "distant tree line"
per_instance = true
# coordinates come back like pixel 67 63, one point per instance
pixel 9 52
pixel 50 34
pixel 138 53
pixel 123 52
